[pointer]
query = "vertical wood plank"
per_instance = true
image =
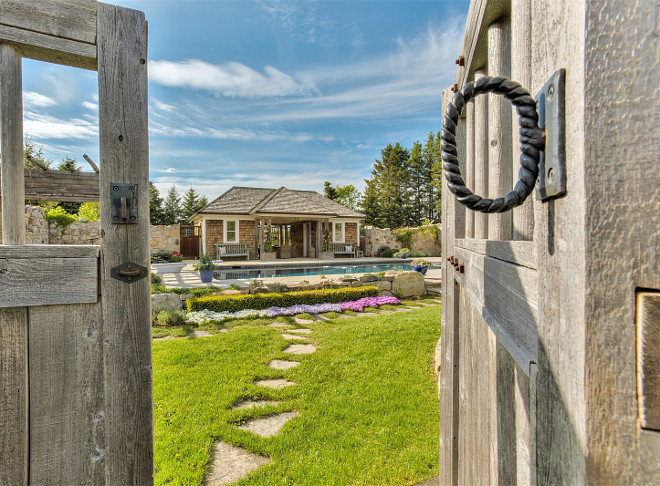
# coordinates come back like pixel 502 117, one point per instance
pixel 13 396
pixel 499 129
pixel 521 65
pixel 66 395
pixel 480 158
pixel 123 135
pixel 11 122
pixel 319 239
pixel 469 164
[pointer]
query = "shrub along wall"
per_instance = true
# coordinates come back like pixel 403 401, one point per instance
pixel 234 303
pixel 425 238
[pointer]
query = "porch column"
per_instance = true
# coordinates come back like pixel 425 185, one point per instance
pixel 261 237
pixel 319 238
pixel 204 237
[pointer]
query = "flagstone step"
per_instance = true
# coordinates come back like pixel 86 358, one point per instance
pixel 268 426
pixel 301 331
pixel 230 464
pixel 292 337
pixel 300 349
pixel 278 324
pixel 254 404
pixel 297 320
pixel 275 383
pixel 280 364
pixel 198 333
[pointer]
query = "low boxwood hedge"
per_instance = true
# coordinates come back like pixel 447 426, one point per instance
pixel 234 303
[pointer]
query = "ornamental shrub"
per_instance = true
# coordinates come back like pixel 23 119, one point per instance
pixel 235 303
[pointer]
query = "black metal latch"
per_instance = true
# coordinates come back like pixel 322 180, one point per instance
pixel 123 203
pixel 128 272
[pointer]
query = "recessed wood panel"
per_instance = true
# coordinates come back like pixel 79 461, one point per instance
pixel 648 336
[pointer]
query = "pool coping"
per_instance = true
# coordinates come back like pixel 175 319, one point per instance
pixel 312 262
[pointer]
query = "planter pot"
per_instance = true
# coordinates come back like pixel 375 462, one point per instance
pixel 271 256
pixel 161 268
pixel 206 276
pixel 404 256
pixel 421 270
pixel 327 255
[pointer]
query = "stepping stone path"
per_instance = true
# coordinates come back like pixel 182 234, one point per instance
pixel 196 334
pixel 253 404
pixel 300 349
pixel 268 426
pixel 320 317
pixel 280 364
pixel 301 331
pixel 302 321
pixel 164 338
pixel 231 464
pixel 291 337
pixel 276 383
pixel 278 324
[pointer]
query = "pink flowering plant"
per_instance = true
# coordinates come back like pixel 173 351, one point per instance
pixel 359 305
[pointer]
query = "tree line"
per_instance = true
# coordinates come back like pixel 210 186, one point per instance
pixel 173 209
pixel 404 188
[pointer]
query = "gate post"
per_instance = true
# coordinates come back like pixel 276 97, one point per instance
pixel 123 136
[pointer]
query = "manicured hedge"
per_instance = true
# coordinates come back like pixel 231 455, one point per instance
pixel 234 303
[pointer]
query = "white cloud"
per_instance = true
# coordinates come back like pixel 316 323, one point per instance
pixel 170 170
pixel 37 100
pixel 162 106
pixel 48 127
pixel 232 79
pixel 90 106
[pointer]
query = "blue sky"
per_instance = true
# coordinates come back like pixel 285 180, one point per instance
pixel 266 93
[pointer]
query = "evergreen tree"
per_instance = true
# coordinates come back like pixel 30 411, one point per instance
pixel 192 202
pixel 155 205
pixel 432 175
pixel 31 154
pixel 391 176
pixel 172 207
pixel 329 191
pixel 69 164
pixel 418 181
pixel 370 204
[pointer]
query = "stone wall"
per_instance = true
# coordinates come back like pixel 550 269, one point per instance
pixel 77 233
pixel 423 239
pixel 165 237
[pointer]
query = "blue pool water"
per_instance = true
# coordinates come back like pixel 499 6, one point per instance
pixel 246 273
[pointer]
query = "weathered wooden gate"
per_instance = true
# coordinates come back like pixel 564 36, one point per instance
pixel 76 401
pixel 190 241
pixel 551 313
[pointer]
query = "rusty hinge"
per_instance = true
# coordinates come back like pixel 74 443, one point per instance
pixel 123 203
pixel 128 272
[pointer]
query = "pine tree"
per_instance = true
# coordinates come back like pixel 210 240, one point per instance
pixel 392 180
pixel 417 177
pixel 433 175
pixel 192 202
pixel 172 207
pixel 329 191
pixel 370 204
pixel 155 205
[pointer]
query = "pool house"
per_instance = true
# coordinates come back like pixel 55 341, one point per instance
pixel 240 223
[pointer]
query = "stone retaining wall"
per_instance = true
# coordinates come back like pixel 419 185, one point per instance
pixel 423 239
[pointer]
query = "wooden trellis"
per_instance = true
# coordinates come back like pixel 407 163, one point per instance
pixel 76 401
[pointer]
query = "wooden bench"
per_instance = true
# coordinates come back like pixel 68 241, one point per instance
pixel 224 250
pixel 347 249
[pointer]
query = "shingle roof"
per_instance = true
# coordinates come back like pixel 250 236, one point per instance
pixel 251 200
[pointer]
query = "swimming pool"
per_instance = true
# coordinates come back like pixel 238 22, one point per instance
pixel 247 273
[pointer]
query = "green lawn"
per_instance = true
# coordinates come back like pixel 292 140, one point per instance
pixel 367 401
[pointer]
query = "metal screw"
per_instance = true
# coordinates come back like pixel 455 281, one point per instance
pixel 461 268
pixel 551 91
pixel 551 175
pixel 454 88
pixel 460 60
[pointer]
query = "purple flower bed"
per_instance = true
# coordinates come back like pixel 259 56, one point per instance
pixel 359 305
pixel 303 308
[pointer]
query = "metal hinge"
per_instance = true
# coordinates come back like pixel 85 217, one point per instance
pixel 129 272
pixel 123 203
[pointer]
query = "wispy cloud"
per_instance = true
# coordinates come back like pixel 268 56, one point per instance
pixel 90 106
pixel 32 99
pixel 232 79
pixel 48 127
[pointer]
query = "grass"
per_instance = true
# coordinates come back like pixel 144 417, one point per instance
pixel 367 401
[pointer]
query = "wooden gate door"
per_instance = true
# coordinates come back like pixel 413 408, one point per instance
pixel 190 241
pixel 75 345
pixel 547 374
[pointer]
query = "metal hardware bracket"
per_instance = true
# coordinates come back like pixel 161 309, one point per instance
pixel 129 272
pixel 550 102
pixel 123 203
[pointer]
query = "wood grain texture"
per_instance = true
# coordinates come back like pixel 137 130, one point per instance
pixel 123 134
pixel 11 141
pixel 519 252
pixel 521 66
pixel 469 164
pixel 67 19
pixel 499 129
pixel 56 185
pixel 46 281
pixel 49 251
pixel 648 359
pixel 622 227
pixel 480 158
pixel 66 395
pixel 13 396
pixel 47 48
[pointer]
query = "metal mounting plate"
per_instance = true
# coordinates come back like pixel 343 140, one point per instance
pixel 552 162
pixel 128 272
pixel 123 203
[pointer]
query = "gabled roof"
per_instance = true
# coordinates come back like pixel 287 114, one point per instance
pixel 256 201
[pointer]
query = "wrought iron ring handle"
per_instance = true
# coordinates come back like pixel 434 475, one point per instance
pixel 532 140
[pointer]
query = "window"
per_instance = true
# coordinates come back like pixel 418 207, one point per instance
pixel 231 231
pixel 338 233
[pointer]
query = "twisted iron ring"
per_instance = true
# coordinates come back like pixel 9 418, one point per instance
pixel 532 140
